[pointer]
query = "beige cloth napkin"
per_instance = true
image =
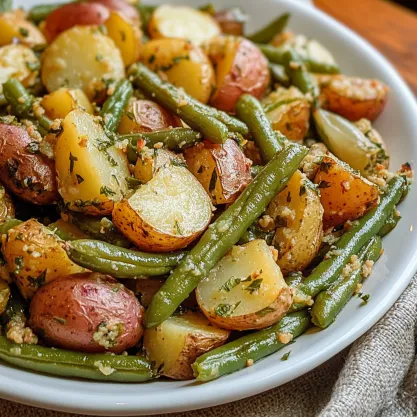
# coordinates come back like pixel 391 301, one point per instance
pixel 376 376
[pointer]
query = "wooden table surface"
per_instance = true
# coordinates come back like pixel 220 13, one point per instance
pixel 390 28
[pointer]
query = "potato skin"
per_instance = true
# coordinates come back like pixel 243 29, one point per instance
pixel 240 68
pixel 69 311
pixel 73 14
pixel 30 176
pixel 351 97
pixel 121 6
pixel 35 256
pixel 229 23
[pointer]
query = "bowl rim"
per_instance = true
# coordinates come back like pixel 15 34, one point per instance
pixel 16 388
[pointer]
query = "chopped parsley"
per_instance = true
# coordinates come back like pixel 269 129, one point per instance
pixel 107 191
pixel 213 181
pixel 177 228
pixel 132 183
pixel 265 311
pixel 99 57
pixel 33 66
pixel 364 297
pixel 80 179
pixel 324 166
pixel 302 190
pixel 60 320
pixel 32 147
pixel 289 197
pixel 254 285
pixel 72 160
pixel 230 284
pixel 24 32
pixel 37 282
pixel 285 356
pixel 226 310
pixel 324 184
pixel 18 261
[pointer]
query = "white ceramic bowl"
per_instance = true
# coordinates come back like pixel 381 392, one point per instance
pixel 398 125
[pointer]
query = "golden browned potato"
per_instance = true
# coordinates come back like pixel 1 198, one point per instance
pixel 35 256
pixel 183 64
pixel 91 171
pixel 72 14
pixel 223 170
pixel 60 102
pixel 127 36
pixel 183 22
pixel 240 68
pixel 146 116
pixel 18 62
pixel 14 25
pixel 87 312
pixel 344 194
pixel 352 97
pixel 288 110
pixel 176 343
pixel 24 171
pixel 167 213
pixel 245 290
pixel 6 205
pixel 297 214
pixel 82 57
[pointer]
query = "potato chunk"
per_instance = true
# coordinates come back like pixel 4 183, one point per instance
pixel 245 290
pixel 91 172
pixel 223 170
pixel 344 194
pixel 297 213
pixel 176 343
pixel 34 256
pixel 167 213
pixel 82 57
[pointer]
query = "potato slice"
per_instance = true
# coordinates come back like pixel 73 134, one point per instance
pixel 184 64
pixel 297 214
pixel 91 173
pixel 176 343
pixel 245 290
pixel 352 97
pixel 182 22
pixel 223 170
pixel 126 35
pixel 167 213
pixel 34 256
pixel 240 68
pixel 344 193
pixel 18 62
pixel 68 62
pixel 288 110
pixel 14 25
pixel 61 102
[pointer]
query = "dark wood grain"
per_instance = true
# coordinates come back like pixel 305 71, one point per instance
pixel 390 28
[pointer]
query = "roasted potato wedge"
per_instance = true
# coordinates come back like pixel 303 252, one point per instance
pixel 352 97
pixel 245 290
pixel 240 68
pixel 126 35
pixel 146 116
pixel 288 110
pixel 68 63
pixel 183 22
pixel 73 14
pixel 184 65
pixel 91 172
pixel 344 194
pixel 23 171
pixel 167 213
pixel 18 62
pixel 176 343
pixel 6 205
pixel 298 215
pixel 61 102
pixel 87 312
pixel 14 25
pixel 35 256
pixel 223 170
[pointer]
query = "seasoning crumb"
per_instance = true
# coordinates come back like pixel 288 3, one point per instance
pixel 249 362
pixel 105 370
pixel 284 338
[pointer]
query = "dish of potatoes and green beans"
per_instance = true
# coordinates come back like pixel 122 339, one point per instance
pixel 179 198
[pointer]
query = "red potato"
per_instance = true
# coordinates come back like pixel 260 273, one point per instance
pixel 74 14
pixel 24 171
pixel 240 68
pixel 88 312
pixel 122 7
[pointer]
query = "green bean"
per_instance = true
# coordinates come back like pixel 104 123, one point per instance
pixel 76 364
pixel 328 304
pixel 208 8
pixel 121 263
pixel 267 33
pixel 6 5
pixel 3 101
pixel 294 278
pixel 8 224
pixel 298 73
pixel 236 355
pixel 250 110
pixel 255 170
pixel 279 75
pixel 41 12
pixel 114 106
pixel 145 12
pixel 391 223
pixel 221 235
pixel 351 242
pixel 275 54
